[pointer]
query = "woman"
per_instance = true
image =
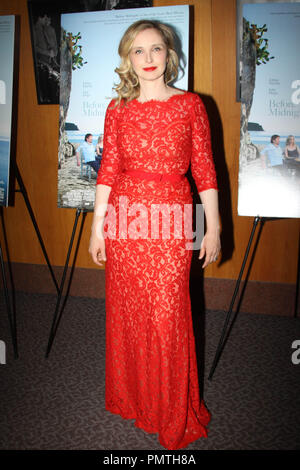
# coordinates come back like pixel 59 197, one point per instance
pixel 291 154
pixel 152 133
pixel 99 146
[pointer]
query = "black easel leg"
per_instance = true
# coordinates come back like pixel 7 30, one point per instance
pixel 245 283
pixel 54 327
pixel 12 323
pixel 71 275
pixel 220 345
pixel 74 260
pixel 24 192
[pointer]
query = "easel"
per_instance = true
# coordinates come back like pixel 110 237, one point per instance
pixel 57 313
pixel 12 314
pixel 223 339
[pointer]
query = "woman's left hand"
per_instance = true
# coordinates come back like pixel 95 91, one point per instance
pixel 210 247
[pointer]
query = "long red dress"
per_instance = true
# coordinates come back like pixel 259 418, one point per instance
pixel 151 368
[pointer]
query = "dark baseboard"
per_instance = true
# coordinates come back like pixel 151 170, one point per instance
pixel 258 297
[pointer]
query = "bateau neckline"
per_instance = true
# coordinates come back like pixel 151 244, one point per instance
pixel 153 100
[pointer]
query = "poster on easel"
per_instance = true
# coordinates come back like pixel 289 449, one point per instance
pixel 89 56
pixel 7 41
pixel 269 158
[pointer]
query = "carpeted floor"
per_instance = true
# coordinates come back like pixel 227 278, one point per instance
pixel 58 403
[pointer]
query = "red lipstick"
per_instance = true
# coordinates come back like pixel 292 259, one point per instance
pixel 149 69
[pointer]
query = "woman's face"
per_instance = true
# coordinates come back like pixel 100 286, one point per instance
pixel 292 140
pixel 148 55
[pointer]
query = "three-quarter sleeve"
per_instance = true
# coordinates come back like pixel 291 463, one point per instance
pixel 202 164
pixel 111 162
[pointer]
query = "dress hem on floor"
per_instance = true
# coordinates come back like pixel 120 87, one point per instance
pixel 186 441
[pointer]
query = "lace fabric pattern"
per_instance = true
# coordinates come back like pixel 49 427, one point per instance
pixel 151 366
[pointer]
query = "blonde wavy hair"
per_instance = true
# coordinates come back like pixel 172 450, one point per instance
pixel 129 86
pixel 289 139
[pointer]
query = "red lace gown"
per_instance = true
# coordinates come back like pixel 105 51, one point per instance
pixel 151 369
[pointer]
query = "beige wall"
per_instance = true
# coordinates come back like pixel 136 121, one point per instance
pixel 214 79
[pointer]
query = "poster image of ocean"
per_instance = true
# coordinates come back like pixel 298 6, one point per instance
pixel 89 56
pixel 7 32
pixel 269 159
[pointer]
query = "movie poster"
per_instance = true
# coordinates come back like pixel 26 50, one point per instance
pixel 7 35
pixel 269 161
pixel 89 56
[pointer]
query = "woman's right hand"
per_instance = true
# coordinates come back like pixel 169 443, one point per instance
pixel 97 249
